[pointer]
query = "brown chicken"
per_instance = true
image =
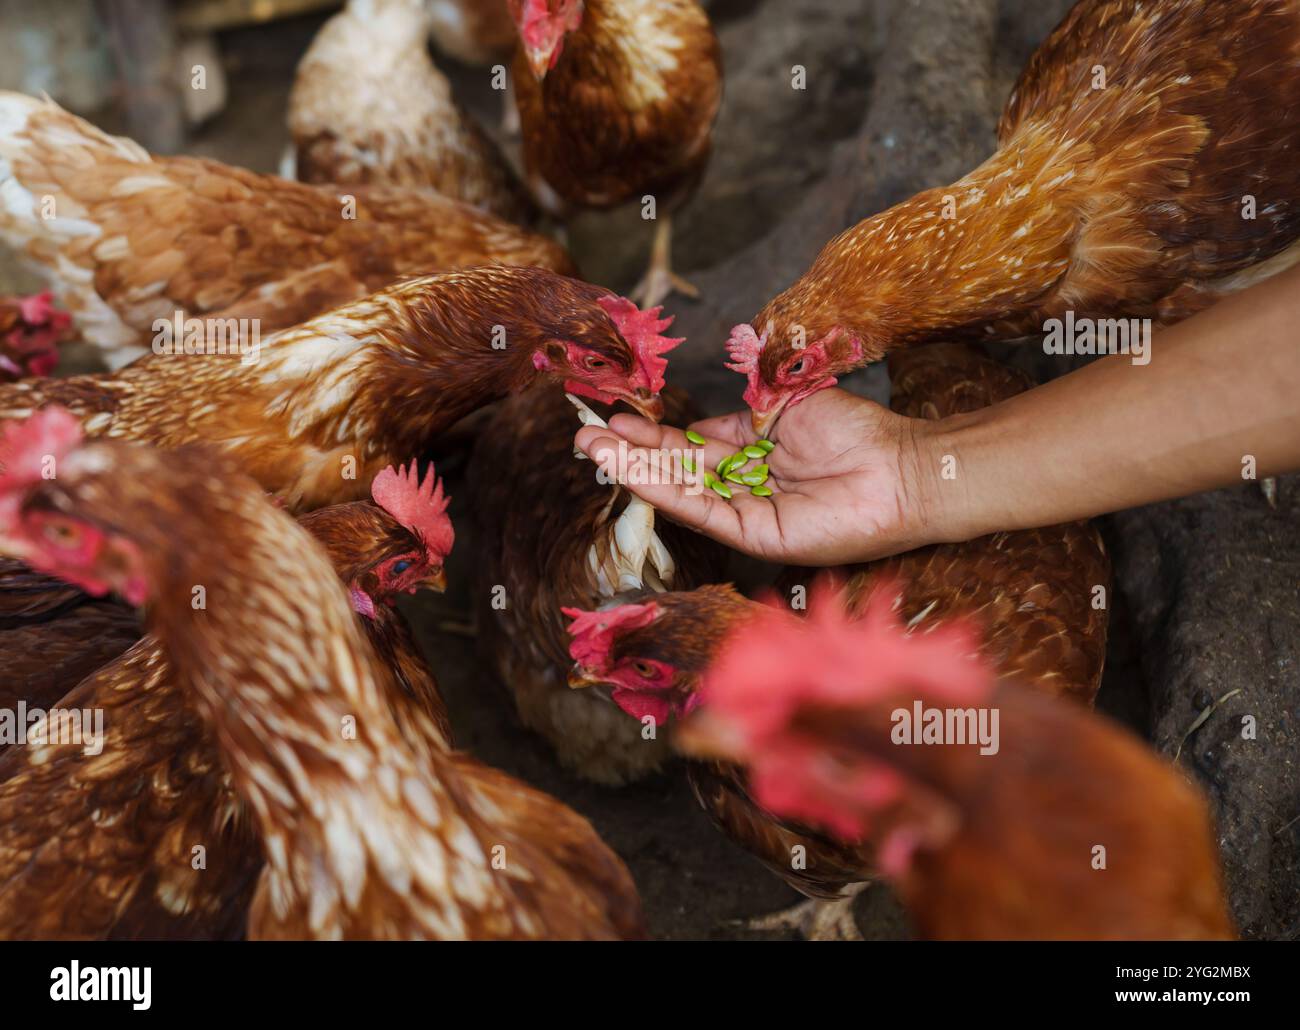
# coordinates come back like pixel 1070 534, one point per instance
pixel 552 536
pixel 1144 168
pixel 127 240
pixel 368 106
pixel 143 835
pixel 1034 594
pixel 997 811
pixel 31 329
pixel 617 100
pixel 316 411
pixel 364 835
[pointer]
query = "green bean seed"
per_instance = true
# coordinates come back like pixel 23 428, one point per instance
pixel 766 446
pixel 755 452
pixel 722 490
pixel 762 491
pixel 695 438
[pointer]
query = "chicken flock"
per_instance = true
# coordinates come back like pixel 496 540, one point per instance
pixel 205 541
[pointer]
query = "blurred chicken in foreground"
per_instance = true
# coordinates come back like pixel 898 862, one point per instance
pixel 996 811
pixel 365 834
pixel 369 106
pixel 101 844
pixel 617 100
pixel 1144 169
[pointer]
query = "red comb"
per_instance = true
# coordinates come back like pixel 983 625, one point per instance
pixel 642 330
pixel 32 340
pixel 419 506
pixel 24 448
pixel 38 310
pixel 743 347
pixel 593 632
pixel 777 661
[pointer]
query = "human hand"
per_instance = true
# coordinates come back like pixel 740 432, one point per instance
pixel 844 476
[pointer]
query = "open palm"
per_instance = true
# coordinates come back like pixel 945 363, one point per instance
pixel 838 474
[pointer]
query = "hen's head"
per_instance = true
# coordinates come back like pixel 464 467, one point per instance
pixel 397 545
pixel 30 331
pixel 44 469
pixel 542 25
pixel 650 654
pixel 780 681
pixel 795 351
pixel 598 344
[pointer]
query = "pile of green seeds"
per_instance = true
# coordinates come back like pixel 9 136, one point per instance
pixel 732 469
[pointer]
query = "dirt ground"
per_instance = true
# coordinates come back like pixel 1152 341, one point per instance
pixel 1207 598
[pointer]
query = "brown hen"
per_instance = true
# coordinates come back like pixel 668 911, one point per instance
pixel 313 413
pixel 1143 169
pixel 617 100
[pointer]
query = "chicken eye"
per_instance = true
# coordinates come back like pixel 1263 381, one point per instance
pixel 645 670
pixel 400 566
pixel 796 368
pixel 595 362
pixel 62 533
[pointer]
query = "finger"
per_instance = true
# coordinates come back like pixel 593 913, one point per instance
pixel 676 495
pixel 734 429
pixel 642 432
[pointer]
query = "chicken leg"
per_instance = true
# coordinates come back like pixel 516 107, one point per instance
pixel 660 281
pixel 816 919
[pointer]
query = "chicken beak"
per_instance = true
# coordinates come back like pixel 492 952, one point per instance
pixel 436 580
pixel 648 404
pixel 706 736
pixel 765 421
pixel 581 679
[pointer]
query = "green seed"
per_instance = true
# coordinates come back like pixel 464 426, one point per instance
pixel 762 491
pixel 695 438
pixel 687 464
pixel 737 478
pixel 766 446
pixel 710 480
pixel 753 479
pixel 760 470
pixel 726 464
pixel 722 490
pixel 755 452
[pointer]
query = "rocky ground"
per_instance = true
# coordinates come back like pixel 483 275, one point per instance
pixel 901 95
